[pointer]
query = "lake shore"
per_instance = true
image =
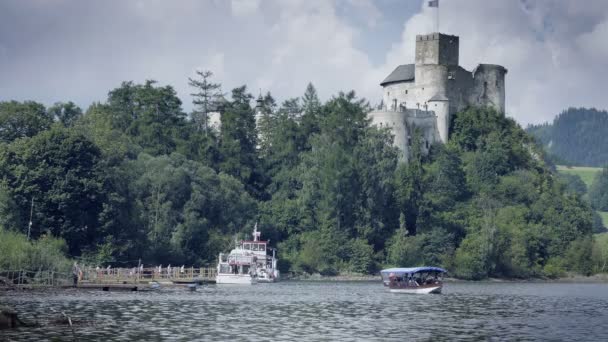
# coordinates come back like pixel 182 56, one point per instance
pixel 596 278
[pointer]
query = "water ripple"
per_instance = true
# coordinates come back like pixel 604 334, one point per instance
pixel 320 311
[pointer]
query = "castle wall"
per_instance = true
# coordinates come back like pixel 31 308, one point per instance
pixel 402 125
pixel 460 85
pixel 426 121
pixel 398 125
pixel 402 92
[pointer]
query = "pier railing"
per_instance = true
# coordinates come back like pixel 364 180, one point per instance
pixel 29 278
pixel 23 278
pixel 137 275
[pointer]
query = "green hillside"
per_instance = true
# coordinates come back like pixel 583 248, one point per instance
pixel 576 136
pixel 586 173
pixel 604 216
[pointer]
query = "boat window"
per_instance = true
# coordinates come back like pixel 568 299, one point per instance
pixel 247 246
pixel 224 268
pixel 245 269
pixel 255 247
pixel 262 247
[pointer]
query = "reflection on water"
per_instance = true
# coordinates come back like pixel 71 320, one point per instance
pixel 321 311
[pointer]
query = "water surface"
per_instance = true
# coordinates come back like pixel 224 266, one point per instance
pixel 320 311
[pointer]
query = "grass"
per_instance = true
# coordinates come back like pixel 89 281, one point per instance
pixel 586 173
pixel 604 215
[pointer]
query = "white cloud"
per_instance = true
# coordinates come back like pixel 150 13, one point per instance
pixel 555 50
pixel 241 8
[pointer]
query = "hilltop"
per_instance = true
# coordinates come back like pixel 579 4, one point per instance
pixel 576 136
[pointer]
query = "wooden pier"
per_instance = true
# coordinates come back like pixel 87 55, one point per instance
pixel 110 279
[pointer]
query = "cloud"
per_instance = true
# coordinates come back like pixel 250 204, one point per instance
pixel 241 8
pixel 552 49
pixel 68 50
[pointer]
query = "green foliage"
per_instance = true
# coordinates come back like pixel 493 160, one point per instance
pixel 180 202
pixel 22 120
pixel 577 135
pixel 599 253
pixel 574 184
pixel 44 254
pixel 206 98
pixel 135 177
pixel 238 140
pixel 65 113
pixel 58 168
pixel 586 174
pixel 598 192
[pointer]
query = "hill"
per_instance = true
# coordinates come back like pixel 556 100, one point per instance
pixel 577 136
pixel 587 174
pixel 137 178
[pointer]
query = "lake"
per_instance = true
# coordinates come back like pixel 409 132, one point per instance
pixel 321 311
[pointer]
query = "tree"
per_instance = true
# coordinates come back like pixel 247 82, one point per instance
pixel 67 113
pixel 238 141
pixel 151 115
pixel 205 98
pixel 184 206
pixel 574 184
pixel 598 192
pixel 59 168
pixel 409 185
pixel 576 136
pixel 22 120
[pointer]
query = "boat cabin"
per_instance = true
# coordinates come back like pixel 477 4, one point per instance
pixel 413 277
pixel 254 246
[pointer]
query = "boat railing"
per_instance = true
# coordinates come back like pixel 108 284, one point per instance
pixel 241 259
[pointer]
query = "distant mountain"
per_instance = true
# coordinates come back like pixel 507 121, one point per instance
pixel 577 136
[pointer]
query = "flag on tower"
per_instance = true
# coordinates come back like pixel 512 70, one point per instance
pixel 434 3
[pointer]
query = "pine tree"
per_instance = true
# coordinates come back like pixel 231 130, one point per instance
pixel 206 98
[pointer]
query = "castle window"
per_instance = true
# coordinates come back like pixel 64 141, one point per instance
pixel 427 144
pixel 406 90
pixel 409 140
pixel 451 75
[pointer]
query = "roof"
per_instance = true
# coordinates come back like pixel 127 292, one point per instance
pixel 413 269
pixel 402 73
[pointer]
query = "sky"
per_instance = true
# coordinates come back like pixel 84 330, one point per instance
pixel 556 51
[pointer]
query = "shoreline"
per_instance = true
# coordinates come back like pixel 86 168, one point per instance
pixel 593 279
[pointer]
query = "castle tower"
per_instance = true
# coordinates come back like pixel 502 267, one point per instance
pixel 437 48
pixel 426 94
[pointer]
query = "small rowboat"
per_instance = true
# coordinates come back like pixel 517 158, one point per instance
pixel 416 280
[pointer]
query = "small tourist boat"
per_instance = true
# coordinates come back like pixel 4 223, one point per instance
pixel 419 280
pixel 248 263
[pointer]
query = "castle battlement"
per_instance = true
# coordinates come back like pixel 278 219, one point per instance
pixel 428 92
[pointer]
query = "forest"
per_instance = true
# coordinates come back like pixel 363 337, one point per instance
pixel 136 177
pixel 577 136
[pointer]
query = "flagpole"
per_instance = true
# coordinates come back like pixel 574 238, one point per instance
pixel 437 14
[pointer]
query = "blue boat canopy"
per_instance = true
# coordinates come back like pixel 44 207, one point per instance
pixel 411 270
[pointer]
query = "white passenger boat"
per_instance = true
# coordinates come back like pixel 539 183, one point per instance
pixel 417 280
pixel 248 263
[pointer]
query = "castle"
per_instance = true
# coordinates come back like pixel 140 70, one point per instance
pixel 426 94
